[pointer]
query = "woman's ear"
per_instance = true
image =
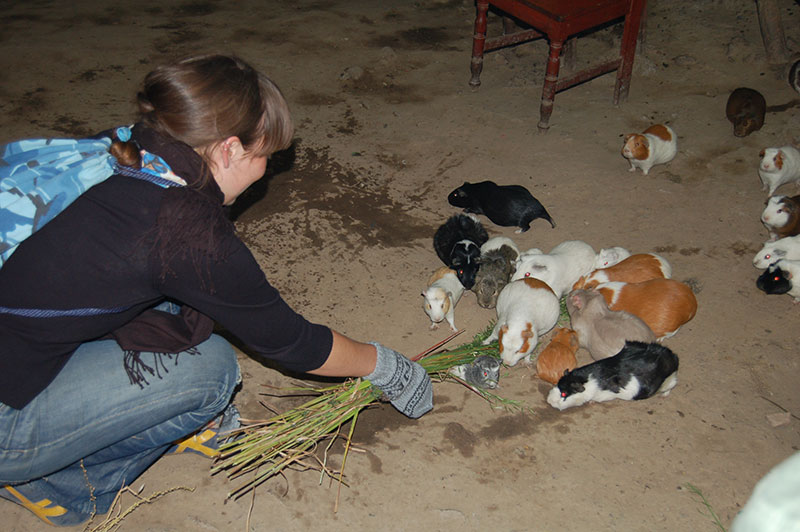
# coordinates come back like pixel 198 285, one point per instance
pixel 228 150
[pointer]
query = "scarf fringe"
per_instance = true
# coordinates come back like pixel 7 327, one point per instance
pixel 137 369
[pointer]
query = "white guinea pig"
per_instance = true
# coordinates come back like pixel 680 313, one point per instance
pixel 560 268
pixel 778 166
pixel 496 242
pixel 443 293
pixel 784 248
pixel 610 256
pixel 657 144
pixel 526 309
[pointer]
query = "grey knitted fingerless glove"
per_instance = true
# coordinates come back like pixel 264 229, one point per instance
pixel 405 383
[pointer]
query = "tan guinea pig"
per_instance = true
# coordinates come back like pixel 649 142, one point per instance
pixel 635 269
pixel 657 144
pixel 663 304
pixel 559 356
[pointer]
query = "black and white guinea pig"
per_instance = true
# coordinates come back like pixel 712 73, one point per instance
pixel 640 370
pixel 504 205
pixel 457 242
pixel 778 278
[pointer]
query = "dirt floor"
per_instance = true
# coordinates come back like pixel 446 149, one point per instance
pixel 387 126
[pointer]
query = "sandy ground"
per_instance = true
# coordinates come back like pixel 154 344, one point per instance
pixel 387 126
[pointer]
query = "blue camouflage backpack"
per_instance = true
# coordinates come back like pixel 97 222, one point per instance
pixel 39 178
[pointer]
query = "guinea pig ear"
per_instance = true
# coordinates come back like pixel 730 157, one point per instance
pixel 762 153
pixel 566 372
pixel 628 136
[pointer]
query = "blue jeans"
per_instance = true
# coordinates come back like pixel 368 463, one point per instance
pixel 92 427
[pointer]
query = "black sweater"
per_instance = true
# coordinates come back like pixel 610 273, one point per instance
pixel 99 253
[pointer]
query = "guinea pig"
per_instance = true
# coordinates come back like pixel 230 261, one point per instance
pixel 778 166
pixel 778 278
pixel 483 372
pixel 560 268
pixel 745 109
pixel 441 296
pixel 787 247
pixel 635 269
pixel 657 144
pixel 781 216
pixel 559 356
pixel 663 304
pixel 639 371
pixel 495 269
pixel 794 75
pixel 504 205
pixel 610 256
pixel 602 331
pixel 497 242
pixel 457 242
pixel 526 309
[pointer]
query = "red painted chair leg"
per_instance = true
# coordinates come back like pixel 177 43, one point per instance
pixel 630 35
pixel 478 41
pixel 549 88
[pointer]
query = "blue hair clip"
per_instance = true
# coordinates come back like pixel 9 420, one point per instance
pixel 123 133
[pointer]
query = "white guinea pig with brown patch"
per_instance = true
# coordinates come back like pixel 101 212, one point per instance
pixel 778 166
pixel 657 144
pixel 635 269
pixel 663 304
pixel 526 309
pixel 443 293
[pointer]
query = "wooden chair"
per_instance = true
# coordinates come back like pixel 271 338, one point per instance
pixel 557 20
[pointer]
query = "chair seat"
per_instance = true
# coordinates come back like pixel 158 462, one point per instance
pixel 557 20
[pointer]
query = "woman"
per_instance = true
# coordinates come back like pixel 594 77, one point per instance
pixel 106 313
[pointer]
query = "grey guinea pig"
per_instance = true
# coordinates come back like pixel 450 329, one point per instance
pixel 483 372
pixel 496 268
pixel 504 205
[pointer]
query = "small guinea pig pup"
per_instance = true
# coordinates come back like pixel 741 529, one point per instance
pixel 559 356
pixel 560 269
pixel 483 372
pixel 601 331
pixel 787 247
pixel 457 242
pixel 779 277
pixel 506 205
pixel 639 371
pixel 663 304
pixel 657 144
pixel 781 216
pixel 441 297
pixel 635 269
pixel 610 256
pixel 526 309
pixel 778 166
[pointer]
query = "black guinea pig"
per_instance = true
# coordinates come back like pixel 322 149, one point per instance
pixel 777 278
pixel 457 242
pixel 504 205
pixel 640 370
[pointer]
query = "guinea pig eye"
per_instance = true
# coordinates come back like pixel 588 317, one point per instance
pixel 485 373
pixel 776 278
pixel 767 256
pixel 461 271
pixel 527 274
pixel 563 394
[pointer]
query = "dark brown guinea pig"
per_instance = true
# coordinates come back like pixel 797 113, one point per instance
pixel 504 205
pixel 745 109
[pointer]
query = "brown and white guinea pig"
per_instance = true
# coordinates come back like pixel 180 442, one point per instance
pixel 635 269
pixel 560 268
pixel 559 356
pixel 496 265
pixel 602 331
pixel 778 166
pixel 639 371
pixel 781 216
pixel 441 296
pixel 657 144
pixel 663 304
pixel 526 309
